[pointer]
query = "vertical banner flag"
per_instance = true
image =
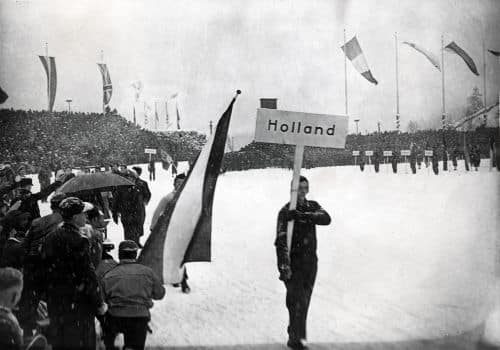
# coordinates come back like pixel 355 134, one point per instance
pixel 354 53
pixel 49 64
pixel 183 231
pixel 107 87
pixel 432 59
pixel 453 47
pixel 178 116
pixel 3 96
pixel 135 121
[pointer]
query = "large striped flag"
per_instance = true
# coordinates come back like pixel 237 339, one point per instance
pixel 49 64
pixel 430 56
pixel 354 53
pixel 183 231
pixel 107 87
pixel 453 47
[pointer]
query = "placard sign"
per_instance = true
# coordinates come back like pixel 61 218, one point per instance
pixel 405 152
pixel 150 150
pixel 355 153
pixel 387 153
pixel 428 153
pixel 296 128
pixel 368 153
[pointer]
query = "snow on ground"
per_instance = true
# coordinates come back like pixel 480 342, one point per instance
pixel 407 257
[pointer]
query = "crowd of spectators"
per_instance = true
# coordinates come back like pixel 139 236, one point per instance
pixel 62 139
pixel 54 283
pixel 262 155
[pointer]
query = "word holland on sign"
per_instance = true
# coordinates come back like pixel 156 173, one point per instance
pixel 308 129
pixel 296 128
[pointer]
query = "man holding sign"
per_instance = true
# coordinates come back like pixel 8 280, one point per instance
pixel 298 266
pixel 296 230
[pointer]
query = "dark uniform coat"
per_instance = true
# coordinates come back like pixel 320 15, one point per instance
pixel 29 201
pixel 302 261
pixel 73 294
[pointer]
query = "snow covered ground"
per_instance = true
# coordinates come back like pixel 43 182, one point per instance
pixel 407 257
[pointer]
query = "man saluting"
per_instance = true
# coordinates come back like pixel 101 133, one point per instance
pixel 299 266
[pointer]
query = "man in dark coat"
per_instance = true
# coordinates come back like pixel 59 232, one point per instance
pixel 129 290
pixel 29 201
pixel 73 294
pixel 152 170
pixel 394 162
pixel 299 266
pixel 130 204
pixel 44 179
pixel 34 269
pixel 435 162
pixel 454 156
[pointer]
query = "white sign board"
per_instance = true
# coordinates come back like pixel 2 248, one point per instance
pixel 405 152
pixel 150 150
pixel 296 128
pixel 387 153
pixel 369 153
pixel 355 153
pixel 428 153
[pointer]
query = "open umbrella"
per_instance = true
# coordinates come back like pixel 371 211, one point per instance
pixel 97 182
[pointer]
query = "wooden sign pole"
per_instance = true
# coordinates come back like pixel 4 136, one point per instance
pixel 297 165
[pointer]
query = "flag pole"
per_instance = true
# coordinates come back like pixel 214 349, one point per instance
pixel 397 82
pixel 345 76
pixel 484 82
pixel 103 105
pixel 443 116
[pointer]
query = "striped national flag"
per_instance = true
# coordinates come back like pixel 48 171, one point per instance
pixel 107 87
pixel 432 59
pixel 354 53
pixel 178 116
pixel 49 64
pixel 183 231
pixel 453 47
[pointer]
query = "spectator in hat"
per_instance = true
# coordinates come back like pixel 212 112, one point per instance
pixel 11 285
pixel 107 260
pixel 94 231
pixel 129 290
pixel 34 269
pixel 29 200
pixel 73 293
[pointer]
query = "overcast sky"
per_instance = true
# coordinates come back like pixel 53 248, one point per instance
pixel 205 50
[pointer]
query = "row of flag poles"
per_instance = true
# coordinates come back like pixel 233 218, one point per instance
pixel 354 53
pixel 49 65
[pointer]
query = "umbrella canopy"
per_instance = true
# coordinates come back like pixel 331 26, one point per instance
pixel 97 182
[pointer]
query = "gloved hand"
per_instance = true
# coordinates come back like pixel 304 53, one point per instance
pixel 285 272
pixel 102 309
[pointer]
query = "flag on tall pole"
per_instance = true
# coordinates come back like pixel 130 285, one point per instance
pixel 107 87
pixel 135 121
pixel 183 232
pixel 430 56
pixel 167 121
pixel 353 51
pixel 453 47
pixel 49 64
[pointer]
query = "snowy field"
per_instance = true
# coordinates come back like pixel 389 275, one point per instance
pixel 407 258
